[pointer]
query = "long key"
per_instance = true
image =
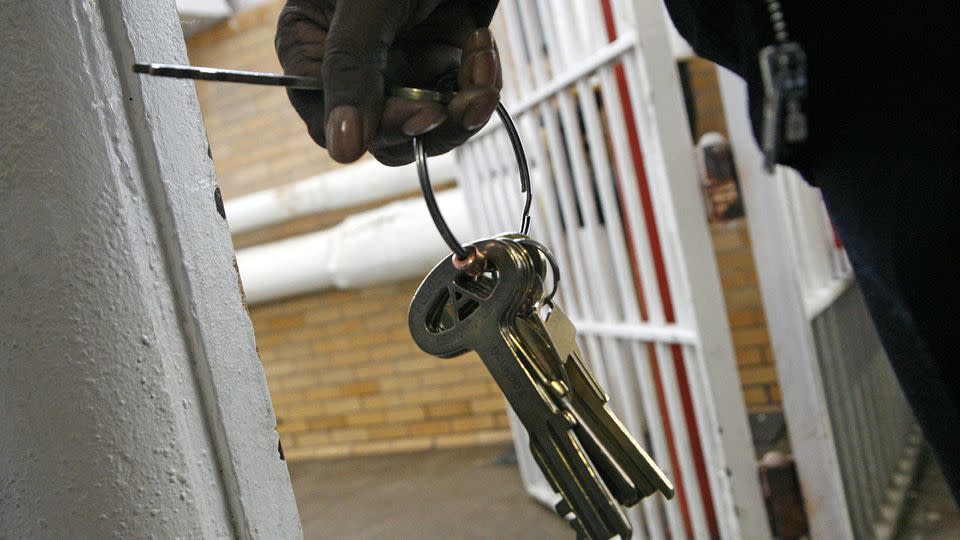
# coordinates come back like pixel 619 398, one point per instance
pixel 452 313
pixel 589 403
pixel 626 468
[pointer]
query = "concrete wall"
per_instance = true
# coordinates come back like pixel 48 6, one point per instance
pixel 132 402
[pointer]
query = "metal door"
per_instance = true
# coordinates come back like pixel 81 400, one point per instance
pixel 594 88
pixel 851 430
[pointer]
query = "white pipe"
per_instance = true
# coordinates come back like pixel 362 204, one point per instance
pixel 360 183
pixel 390 243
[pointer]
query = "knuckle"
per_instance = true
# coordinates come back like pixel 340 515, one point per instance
pixel 392 156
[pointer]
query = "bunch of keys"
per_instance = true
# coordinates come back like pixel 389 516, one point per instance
pixel 489 297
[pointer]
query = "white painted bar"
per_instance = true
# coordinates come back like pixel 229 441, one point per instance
pixel 665 333
pixel 804 400
pixel 697 294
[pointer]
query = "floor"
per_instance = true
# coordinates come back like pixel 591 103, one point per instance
pixel 464 494
pixel 475 493
pixel 931 513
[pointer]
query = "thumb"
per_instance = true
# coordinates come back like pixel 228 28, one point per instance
pixel 355 55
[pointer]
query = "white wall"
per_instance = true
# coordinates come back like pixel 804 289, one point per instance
pixel 132 401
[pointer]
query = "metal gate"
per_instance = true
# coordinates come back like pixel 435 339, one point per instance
pixel 851 431
pixel 594 89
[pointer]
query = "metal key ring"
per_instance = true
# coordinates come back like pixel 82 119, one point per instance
pixel 420 152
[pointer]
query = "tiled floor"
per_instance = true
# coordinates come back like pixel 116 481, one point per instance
pixel 441 494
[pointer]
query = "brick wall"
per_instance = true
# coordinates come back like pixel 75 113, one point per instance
pixel 741 293
pixel 346 378
pixel 258 141
pixel 731 242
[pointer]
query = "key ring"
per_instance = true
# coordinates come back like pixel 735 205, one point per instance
pixel 467 255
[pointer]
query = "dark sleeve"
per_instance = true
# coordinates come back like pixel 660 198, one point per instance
pixel 710 28
pixel 483 10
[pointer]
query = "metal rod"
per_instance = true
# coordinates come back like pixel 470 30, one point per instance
pixel 229 75
pixel 277 79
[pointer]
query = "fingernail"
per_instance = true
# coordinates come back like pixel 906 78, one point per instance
pixel 484 69
pixel 481 38
pixel 475 117
pixel 422 122
pixel 344 133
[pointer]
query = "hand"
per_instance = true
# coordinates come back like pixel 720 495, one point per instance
pixel 357 46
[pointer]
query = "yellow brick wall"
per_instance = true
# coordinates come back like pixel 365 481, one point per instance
pixel 748 324
pixel 258 141
pixel 738 275
pixel 346 378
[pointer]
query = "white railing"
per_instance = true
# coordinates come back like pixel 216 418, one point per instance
pixel 851 431
pixel 615 198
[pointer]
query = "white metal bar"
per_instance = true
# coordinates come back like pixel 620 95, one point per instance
pixel 633 212
pixel 621 266
pixel 804 399
pixel 696 288
pixel 575 188
pixel 658 438
pixel 632 209
pixel 643 332
pixel 681 438
pixel 558 160
pixel 570 76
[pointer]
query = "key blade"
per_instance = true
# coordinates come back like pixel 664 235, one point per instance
pixel 229 75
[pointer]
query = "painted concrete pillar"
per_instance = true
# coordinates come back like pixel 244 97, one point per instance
pixel 132 401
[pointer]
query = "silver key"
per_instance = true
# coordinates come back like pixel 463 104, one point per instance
pixel 584 451
pixel 452 313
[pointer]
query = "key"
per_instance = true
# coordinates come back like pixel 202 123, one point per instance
pixel 627 469
pixel 783 69
pixel 452 313
pixel 589 404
